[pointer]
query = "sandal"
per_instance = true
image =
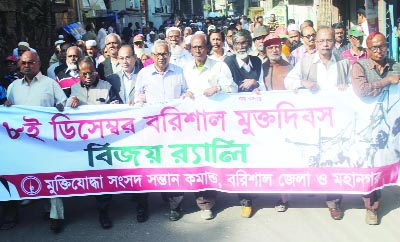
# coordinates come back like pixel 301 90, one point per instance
pixel 281 206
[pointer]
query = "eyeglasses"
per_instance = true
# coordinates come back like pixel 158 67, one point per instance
pixel 328 41
pixel 90 73
pixel 163 55
pixel 380 47
pixel 309 36
pixel 259 38
pixel 28 63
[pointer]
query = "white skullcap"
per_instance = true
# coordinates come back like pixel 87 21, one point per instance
pixel 59 42
pixel 91 42
pixel 199 32
pixel 171 29
pixel 292 27
pixel 22 43
pixel 152 32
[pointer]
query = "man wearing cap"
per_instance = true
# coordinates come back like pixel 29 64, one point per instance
pixel 138 44
pixel 12 72
pixel 294 37
pixel 21 48
pixel 179 55
pixel 276 68
pixel 369 78
pixel 259 34
pixel 341 43
pixel 356 52
pixel 151 37
pixel 110 65
pixel 92 52
pixel 308 48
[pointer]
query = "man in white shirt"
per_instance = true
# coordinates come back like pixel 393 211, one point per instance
pixel 321 70
pixel 179 55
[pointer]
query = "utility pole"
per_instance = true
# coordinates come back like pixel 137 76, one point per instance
pixel 245 7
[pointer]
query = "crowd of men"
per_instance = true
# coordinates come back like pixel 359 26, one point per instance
pixel 186 62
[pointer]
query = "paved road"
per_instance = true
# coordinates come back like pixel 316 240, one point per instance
pixel 307 220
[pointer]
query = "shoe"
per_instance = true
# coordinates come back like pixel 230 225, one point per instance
pixel 246 211
pixel 281 206
pixel 105 220
pixel 142 215
pixel 336 213
pixel 27 202
pixel 371 217
pixel 175 215
pixel 56 225
pixel 206 214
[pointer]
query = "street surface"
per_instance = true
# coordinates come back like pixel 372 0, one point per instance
pixel 306 220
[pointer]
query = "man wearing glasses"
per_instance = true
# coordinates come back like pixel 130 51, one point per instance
pixel 158 83
pixel 356 52
pixel 308 48
pixel 259 34
pixel 67 74
pixel 35 89
pixel 179 55
pixel 369 77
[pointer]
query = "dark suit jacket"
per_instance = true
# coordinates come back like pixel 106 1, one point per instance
pixel 105 68
pixel 118 85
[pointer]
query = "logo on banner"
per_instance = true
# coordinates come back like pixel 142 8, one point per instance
pixel 31 185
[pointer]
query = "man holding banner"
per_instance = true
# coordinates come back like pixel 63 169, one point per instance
pixel 323 70
pixel 372 77
pixel 35 89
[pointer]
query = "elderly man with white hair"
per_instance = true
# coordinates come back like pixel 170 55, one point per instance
pixel 179 55
pixel 92 51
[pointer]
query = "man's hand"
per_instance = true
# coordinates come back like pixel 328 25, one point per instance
pixel 211 91
pixel 393 79
pixel 74 102
pixel 248 83
pixel 114 102
pixel 310 85
pixel 188 94
pixel 7 103
pixel 60 107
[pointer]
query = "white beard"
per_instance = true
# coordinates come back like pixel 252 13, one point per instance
pixel 72 66
pixel 176 50
pixel 242 54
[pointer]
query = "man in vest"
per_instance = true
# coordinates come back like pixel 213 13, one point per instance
pixel 370 77
pixel 322 71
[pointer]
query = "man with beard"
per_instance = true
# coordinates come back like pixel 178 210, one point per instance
pixel 341 43
pixel 369 77
pixel 246 69
pixel 92 51
pixel 161 82
pixel 308 48
pixel 356 52
pixel 217 40
pixel 110 65
pixel 179 55
pixel 294 37
pixel 247 73
pixel 67 74
pixel 322 71
pixel 275 68
pixel 258 39
pixel 35 89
